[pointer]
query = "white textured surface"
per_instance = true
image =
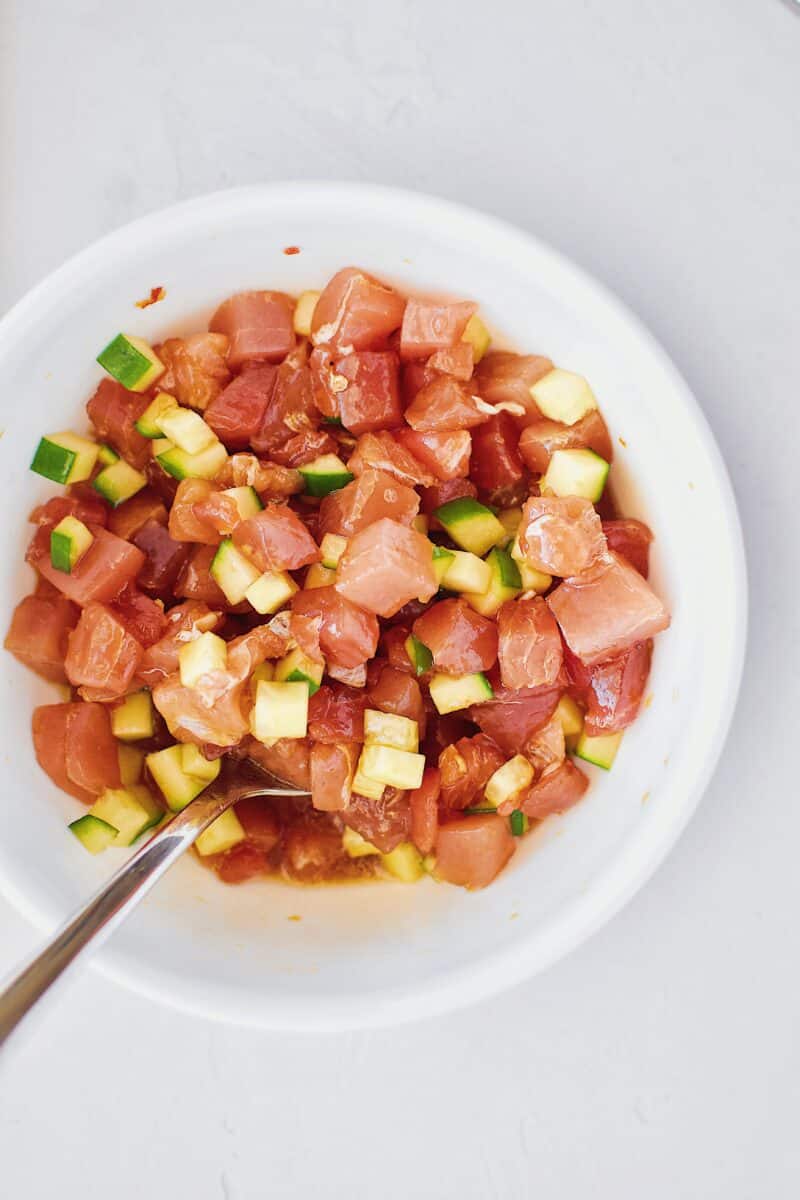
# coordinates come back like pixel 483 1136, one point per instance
pixel 656 144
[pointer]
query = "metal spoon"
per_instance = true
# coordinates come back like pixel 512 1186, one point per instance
pixel 111 905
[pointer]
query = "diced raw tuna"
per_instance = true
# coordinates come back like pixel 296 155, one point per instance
pixel 142 617
pixel 271 480
pixel 370 399
pixel 460 639
pixel 336 714
pixel 258 326
pixel 445 453
pixel 107 566
pixel 38 634
pixel 49 726
pixel 455 360
pixel 332 770
pixel 237 413
pixel 259 822
pixel 384 566
pixel 74 745
pixel 113 411
pixel 502 378
pixel 196 368
pixel 394 691
pixel 355 311
pixel 196 582
pixel 611 691
pixel 183 622
pixel 530 645
pixel 514 716
pixel 424 804
pixel 496 467
pixel 561 535
pixel 288 758
pixel 445 404
pixel 556 791
pixel 472 851
pixel 385 822
pixel 367 499
pixel 607 609
pixel 164 559
pixel 386 452
pixel 430 325
pixel 542 438
pixel 290 411
pixel 304 447
pixel 102 656
pixel 348 636
pixel 632 540
pixel 145 506
pixel 434 497
pixel 185 525
pixel 547 748
pixel 276 540
pixel 466 768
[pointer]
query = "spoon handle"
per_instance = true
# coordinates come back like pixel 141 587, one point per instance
pixel 109 907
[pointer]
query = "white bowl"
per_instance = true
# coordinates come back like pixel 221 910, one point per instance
pixel 381 953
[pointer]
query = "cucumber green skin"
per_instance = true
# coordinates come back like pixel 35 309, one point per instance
pixel 596 760
pixel 322 485
pixel 123 361
pixel 172 468
pixel 107 455
pixel 110 493
pixel 53 462
pixel 419 655
pixel 463 508
pixel 94 834
pixel 61 551
pixel 505 569
pixel 300 677
pixel 147 430
pixel 518 822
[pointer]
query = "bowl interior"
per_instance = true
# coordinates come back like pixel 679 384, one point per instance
pixel 376 953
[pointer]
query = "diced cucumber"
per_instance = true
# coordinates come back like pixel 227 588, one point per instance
pixel 221 834
pixel 106 455
pixel 132 810
pixel 325 474
pixel 246 499
pixel 504 584
pixel 394 768
pixel 207 464
pixel 178 788
pixel 442 561
pixel 264 670
pixel 270 591
pixel 119 482
pixel 233 572
pixel 95 835
pixel 148 423
pixel 354 845
pixel 478 337
pixel 318 576
pixel 389 729
pixel 519 822
pixel 510 519
pixel 131 362
pixel 421 524
pixel 570 716
pixel 471 525
pixel 452 692
pixel 280 710
pixel 419 655
pixel 160 445
pixel 195 763
pixel 575 473
pixel 563 396
pixel 404 862
pixel 363 785
pixel 599 750
pixel 186 429
pixel 131 760
pixel 532 580
pixel 332 547
pixel 466 573
pixel 509 781
pixel 304 312
pixel 69 541
pixel 65 458
pixel 206 653
pixel 297 667
pixel 133 719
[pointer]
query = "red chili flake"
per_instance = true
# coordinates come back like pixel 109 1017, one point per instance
pixel 291 250
pixel 156 294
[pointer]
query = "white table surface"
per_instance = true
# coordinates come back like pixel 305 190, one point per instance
pixel 656 143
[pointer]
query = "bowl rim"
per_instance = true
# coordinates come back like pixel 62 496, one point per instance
pixel 640 856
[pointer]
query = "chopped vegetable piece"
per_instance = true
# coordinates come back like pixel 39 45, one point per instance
pixel 575 473
pixel 131 761
pixel 65 458
pixel 270 591
pixel 453 692
pixel 200 657
pixel 325 474
pixel 177 787
pixel 106 455
pixel 119 482
pixel 186 429
pixel 394 768
pixel 532 580
pixel 563 396
pixel 195 763
pixel 318 576
pixel 519 823
pixel 419 655
pixel 246 499
pixel 404 863
pixel 148 424
pixel 206 464
pixel 599 750
pixel 221 835
pixel 478 337
pixel 131 362
pixel 69 541
pixel 297 667
pixel 570 716
pixel 505 583
pixel 388 729
pixel 364 786
pixel 131 810
pixel 234 573
pixel 471 525
pixel 280 711
pixel 332 547
pixel 95 835
pixel 355 846
pixel 132 719
pixel 509 781
pixel 304 313
pixel 443 560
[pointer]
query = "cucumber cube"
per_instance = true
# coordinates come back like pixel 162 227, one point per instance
pixel 519 822
pixel 178 788
pixel 280 710
pixel 532 580
pixel 354 845
pixel 304 313
pixel 186 429
pixel 570 716
pixel 131 760
pixel 297 667
pixel 388 729
pixel 65 458
pixel 206 464
pixel 133 719
pixel 106 455
pixel 119 482
pixel 221 834
pixel 69 541
pixel 132 810
pixel 332 547
pixel 131 362
pixel 404 862
pixel 510 519
pixel 148 423
pixel 204 654
pixel 195 763
pixel 575 473
pixel 246 499
pixel 505 584
pixel 442 561
pixel 394 768
pixel 563 396
pixel 509 781
pixel 363 785
pixel 264 670
pixel 599 750
pixel 234 573
pixel 318 576
pixel 270 591
pixel 93 833
pixel 465 572
pixel 478 337
pixel 471 525
pixel 453 692
pixel 419 655
pixel 325 474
